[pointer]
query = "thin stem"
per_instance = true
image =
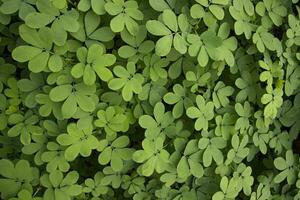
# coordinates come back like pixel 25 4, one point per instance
pixel 37 190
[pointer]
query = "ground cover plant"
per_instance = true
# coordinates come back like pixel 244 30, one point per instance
pixel 149 99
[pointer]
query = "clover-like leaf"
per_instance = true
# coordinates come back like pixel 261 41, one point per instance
pixel 204 112
pixel 93 61
pixel 171 24
pixel 24 126
pixel 59 186
pixel 115 152
pixel 78 141
pixel 204 47
pixel 221 93
pixel 160 123
pixel 96 5
pixel 112 120
pixel 153 156
pixel 130 81
pixel 212 150
pixel 125 15
pixel 14 177
pixel 74 97
pixel 210 11
pixel 95 186
pixel 38 52
pixel 287 168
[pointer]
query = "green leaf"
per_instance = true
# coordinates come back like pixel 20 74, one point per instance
pixel 116 162
pixel 163 45
pixel 157 28
pixel 203 57
pixel 39 62
pixel 170 20
pixel 193 112
pixel 25 53
pixel 180 44
pixel 120 142
pixel 203 142
pixel 84 5
pixel 210 39
pixel 217 11
pixel 280 163
pixel 38 20
pixel 10 7
pixel 78 70
pixel 6 168
pixel 60 93
pixel 55 63
pixel 85 103
pixel 281 176
pixel 183 168
pixel 131 26
pixel 127 92
pixel 159 5
pixel 218 196
pixel 147 121
pixel 69 23
pixel 113 8
pixel 197 11
pixel 207 158
pixel 105 156
pixel 60 4
pixel 103 34
pixel 55 178
pixel 117 24
pixel 196 168
pixel 127 51
pixel 93 52
pixel 98 6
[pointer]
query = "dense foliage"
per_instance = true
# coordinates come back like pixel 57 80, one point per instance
pixel 156 99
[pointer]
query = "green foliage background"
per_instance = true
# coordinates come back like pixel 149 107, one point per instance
pixel 156 99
